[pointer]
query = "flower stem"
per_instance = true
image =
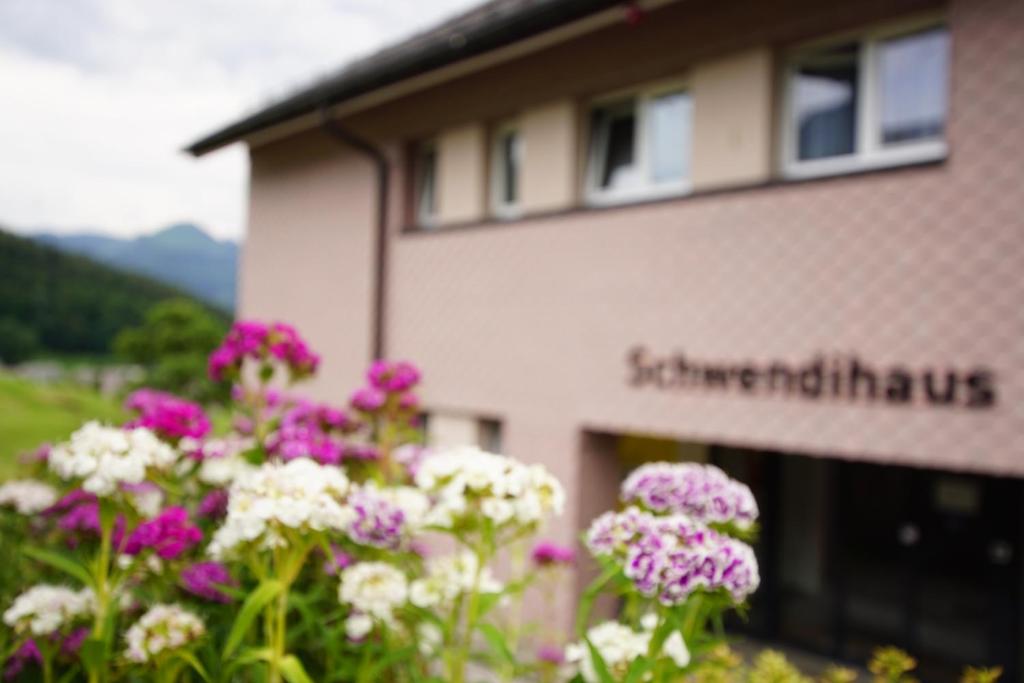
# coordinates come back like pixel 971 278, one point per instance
pixel 102 587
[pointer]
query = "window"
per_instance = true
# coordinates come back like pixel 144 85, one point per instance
pixel 640 146
pixel 425 185
pixel 878 100
pixel 506 162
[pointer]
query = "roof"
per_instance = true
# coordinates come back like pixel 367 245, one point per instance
pixel 489 26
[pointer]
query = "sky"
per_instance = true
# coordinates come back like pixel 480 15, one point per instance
pixel 100 96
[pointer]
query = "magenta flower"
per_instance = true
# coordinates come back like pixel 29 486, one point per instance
pixel 338 560
pixel 214 505
pixel 70 646
pixel 204 578
pixel 547 554
pixel 169 535
pixel 308 430
pixel 28 653
pixel 368 399
pixel 378 523
pixel 393 377
pixel 264 344
pixel 78 517
pixel 172 418
pixel 551 654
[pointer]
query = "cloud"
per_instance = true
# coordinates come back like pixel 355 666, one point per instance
pixel 100 95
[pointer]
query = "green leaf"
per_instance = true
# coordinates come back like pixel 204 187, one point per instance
pixel 292 670
pixel 93 654
pixel 497 642
pixel 392 657
pixel 61 562
pixel 253 605
pixel 600 666
pixel 191 660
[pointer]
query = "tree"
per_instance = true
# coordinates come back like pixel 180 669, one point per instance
pixel 172 345
pixel 17 341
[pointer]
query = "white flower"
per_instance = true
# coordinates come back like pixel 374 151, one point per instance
pixel 27 496
pixel 43 609
pixel 430 638
pixel 374 589
pixel 301 494
pixel 163 627
pixel 223 463
pixel 467 480
pixel 449 576
pixel 618 646
pixel 675 647
pixel 106 457
pixel 358 625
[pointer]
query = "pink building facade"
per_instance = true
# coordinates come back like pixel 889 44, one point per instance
pixel 849 338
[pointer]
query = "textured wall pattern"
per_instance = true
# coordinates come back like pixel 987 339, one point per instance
pixel 919 267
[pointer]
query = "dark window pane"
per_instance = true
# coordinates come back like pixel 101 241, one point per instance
pixel 619 151
pixel 825 104
pixel 427 200
pixel 913 80
pixel 510 168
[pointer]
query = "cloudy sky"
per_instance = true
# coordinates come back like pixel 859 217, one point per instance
pixel 99 96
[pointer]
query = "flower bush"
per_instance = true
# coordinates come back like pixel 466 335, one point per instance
pixel 312 542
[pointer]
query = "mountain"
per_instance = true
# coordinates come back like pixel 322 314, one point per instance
pixel 61 302
pixel 182 255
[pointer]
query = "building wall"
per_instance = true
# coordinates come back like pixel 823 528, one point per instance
pixel 532 321
pixel 308 254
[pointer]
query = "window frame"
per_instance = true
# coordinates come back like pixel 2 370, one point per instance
pixel 596 149
pixel 498 206
pixel 425 220
pixel 869 150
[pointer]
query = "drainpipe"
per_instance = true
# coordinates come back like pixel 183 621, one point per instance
pixel 346 137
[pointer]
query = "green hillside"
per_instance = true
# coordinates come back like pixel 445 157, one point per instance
pixel 67 304
pixel 31 414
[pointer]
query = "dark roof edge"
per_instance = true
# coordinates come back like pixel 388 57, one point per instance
pixel 453 41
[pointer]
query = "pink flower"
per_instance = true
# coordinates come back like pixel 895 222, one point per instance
pixel 547 554
pixel 278 342
pixel 78 516
pixel 170 417
pixel 338 560
pixel 170 535
pixel 368 399
pixel 393 377
pixel 203 578
pixel 28 653
pixel 551 654
pixel 214 505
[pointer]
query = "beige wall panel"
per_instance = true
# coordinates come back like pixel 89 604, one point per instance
pixel 307 257
pixel 549 160
pixel 732 113
pixel 447 430
pixel 462 166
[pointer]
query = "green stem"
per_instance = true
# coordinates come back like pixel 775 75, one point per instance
pixel 458 672
pixel 102 587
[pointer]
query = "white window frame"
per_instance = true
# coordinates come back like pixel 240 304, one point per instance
pixel 499 207
pixel 594 194
pixel 869 152
pixel 425 220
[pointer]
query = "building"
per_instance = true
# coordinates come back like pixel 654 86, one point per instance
pixel 784 236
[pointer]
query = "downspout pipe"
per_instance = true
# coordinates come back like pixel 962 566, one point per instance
pixel 344 136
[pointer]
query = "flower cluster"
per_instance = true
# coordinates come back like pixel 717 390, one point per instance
pixel 449 576
pixel 548 554
pixel 27 496
pixel 619 646
pixel 671 557
pixel 468 483
pixel 204 579
pixel 44 609
pixel 265 503
pixel 169 535
pixel 373 590
pixel 107 457
pixel 78 517
pixel 167 415
pixel 389 385
pixel 164 628
pixel 264 344
pixel 311 430
pixel 385 517
pixel 704 492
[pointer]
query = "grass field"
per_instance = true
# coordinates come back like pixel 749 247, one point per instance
pixel 32 413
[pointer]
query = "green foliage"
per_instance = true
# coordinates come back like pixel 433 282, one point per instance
pixel 892 665
pixel 17 341
pixel 173 344
pixel 70 304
